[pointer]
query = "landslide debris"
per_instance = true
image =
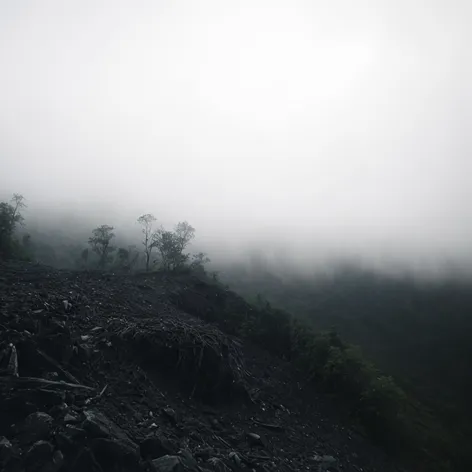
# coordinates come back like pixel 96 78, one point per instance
pixel 111 373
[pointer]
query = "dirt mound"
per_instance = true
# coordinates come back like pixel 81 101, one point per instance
pixel 207 363
pixel 102 372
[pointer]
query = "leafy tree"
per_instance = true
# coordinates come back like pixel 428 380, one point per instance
pixel 146 221
pixel 184 234
pixel 126 258
pixel 10 218
pixel 123 255
pixel 198 262
pixel 100 243
pixel 168 246
pixel 171 245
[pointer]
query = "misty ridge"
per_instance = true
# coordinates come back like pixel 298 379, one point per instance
pixel 269 253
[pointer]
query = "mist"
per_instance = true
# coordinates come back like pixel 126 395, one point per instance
pixel 308 131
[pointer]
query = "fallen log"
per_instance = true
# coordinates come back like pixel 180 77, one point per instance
pixel 273 427
pixel 57 366
pixel 37 382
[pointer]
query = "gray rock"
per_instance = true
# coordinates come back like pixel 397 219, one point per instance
pixel 35 427
pixel 65 442
pixel 234 458
pixel 85 461
pixel 70 418
pixel 114 454
pixel 205 453
pixel 188 461
pixel 325 463
pixel 6 450
pixel 38 456
pixel 168 464
pixel 155 446
pixel 218 465
pixel 97 425
pixel 170 414
pixel 57 462
pixel 254 439
pixel 74 433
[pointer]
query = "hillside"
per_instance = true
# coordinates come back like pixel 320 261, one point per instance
pixel 417 331
pixel 109 372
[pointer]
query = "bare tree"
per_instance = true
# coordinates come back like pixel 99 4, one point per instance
pixel 18 203
pixel 100 243
pixel 146 221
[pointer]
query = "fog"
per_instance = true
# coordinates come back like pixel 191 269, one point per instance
pixel 311 130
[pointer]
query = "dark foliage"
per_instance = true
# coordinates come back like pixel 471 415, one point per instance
pixel 417 332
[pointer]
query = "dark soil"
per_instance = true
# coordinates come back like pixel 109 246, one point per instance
pixel 103 372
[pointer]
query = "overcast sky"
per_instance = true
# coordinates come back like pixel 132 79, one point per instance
pixel 340 125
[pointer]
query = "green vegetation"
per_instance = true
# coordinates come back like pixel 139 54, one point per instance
pixel 391 417
pixel 417 332
pixel 100 243
pixel 10 219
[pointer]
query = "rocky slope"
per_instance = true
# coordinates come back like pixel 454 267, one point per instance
pixel 106 372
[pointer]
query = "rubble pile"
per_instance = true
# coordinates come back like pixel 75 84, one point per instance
pixel 102 373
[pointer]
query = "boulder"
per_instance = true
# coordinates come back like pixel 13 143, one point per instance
pixel 97 425
pixel 155 446
pixel 115 455
pixel 38 456
pixel 168 464
pixel 35 427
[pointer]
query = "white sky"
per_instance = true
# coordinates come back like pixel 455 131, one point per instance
pixel 340 125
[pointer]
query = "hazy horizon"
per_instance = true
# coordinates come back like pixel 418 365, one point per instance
pixel 313 131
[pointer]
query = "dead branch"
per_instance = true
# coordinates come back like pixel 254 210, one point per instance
pixel 37 382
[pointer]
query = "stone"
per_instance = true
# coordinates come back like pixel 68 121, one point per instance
pixel 188 461
pixel 38 456
pixel 155 446
pixel 254 439
pixel 59 411
pixel 35 427
pixel 234 457
pixel 114 454
pixel 68 418
pixel 168 464
pixel 325 463
pixel 98 425
pixel 218 465
pixel 85 461
pixel 6 450
pixel 56 464
pixel 65 442
pixel 169 413
pixel 205 453
pixel 74 433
